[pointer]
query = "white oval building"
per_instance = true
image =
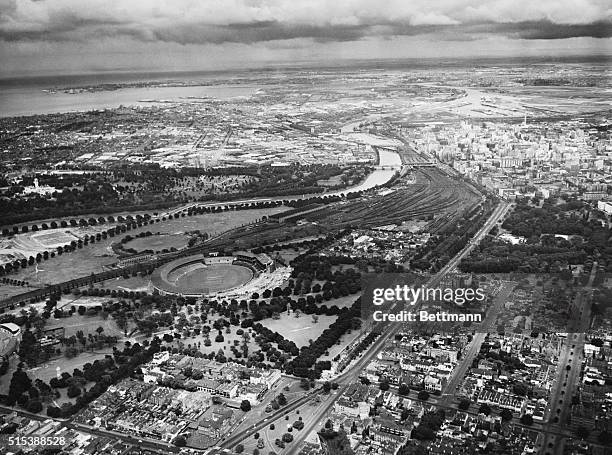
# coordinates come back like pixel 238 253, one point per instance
pixel 10 337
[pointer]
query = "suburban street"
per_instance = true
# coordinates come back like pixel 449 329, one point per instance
pixel 568 373
pixel 449 391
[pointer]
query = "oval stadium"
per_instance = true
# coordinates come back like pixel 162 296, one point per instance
pixel 10 336
pixel 203 276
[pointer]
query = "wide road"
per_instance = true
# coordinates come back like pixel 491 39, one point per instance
pixel 473 349
pixel 243 434
pixel 569 366
pixel 388 330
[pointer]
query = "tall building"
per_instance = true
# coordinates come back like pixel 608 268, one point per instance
pixel 334 442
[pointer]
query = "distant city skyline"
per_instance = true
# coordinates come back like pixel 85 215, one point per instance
pixel 70 36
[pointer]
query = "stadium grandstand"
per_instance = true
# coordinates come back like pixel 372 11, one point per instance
pixel 10 337
pixel 200 275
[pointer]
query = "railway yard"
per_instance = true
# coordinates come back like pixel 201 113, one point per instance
pixel 190 274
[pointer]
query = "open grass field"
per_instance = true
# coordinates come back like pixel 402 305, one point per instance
pixel 131 284
pixel 213 223
pixel 88 324
pixel 300 329
pixel 92 258
pixel 157 242
pixel 212 278
pixel 46 371
pixel 8 290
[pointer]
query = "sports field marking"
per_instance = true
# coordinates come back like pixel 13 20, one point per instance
pixel 303 328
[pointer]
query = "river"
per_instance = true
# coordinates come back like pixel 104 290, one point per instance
pixel 376 178
pixel 379 176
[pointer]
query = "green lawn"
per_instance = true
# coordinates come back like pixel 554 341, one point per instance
pixel 157 242
pixel 92 258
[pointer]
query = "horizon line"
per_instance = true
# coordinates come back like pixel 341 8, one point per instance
pixel 302 64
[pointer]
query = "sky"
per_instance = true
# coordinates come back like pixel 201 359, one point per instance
pixel 39 37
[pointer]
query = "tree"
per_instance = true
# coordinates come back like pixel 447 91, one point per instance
pixel 245 405
pixel 180 441
pixel 20 383
pixel 326 387
pixel 34 406
pixel 239 448
pixel 54 411
pixel 287 437
pixel 604 438
pixel 506 415
pixel 298 424
pixel 73 391
pixel 423 395
pixel 484 409
pixel 583 432
pixel 527 419
pixel 404 389
pixel 520 389
pixel 384 386
pixel 423 433
pixel 464 404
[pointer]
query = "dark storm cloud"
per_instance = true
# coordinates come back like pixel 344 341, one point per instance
pixel 253 21
pixel 260 32
pixel 529 30
pixel 548 30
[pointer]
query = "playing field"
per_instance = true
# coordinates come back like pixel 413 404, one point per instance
pixel 192 276
pixel 213 278
pixel 299 329
pixel 93 258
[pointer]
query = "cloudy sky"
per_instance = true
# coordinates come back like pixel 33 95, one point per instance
pixel 79 36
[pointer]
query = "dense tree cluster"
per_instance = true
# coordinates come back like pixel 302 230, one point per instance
pixel 305 364
pixel 155 188
pixel 545 249
pixel 429 425
pixel 451 239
